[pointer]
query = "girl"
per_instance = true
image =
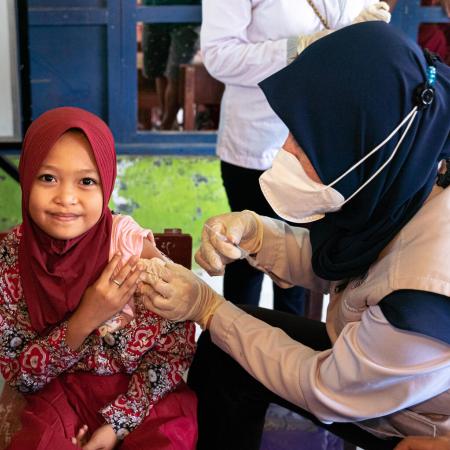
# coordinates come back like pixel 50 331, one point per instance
pixel 57 288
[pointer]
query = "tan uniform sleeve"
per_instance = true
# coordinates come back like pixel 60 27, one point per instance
pixel 286 256
pixel 372 370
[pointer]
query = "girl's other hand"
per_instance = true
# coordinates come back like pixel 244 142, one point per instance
pixel 81 438
pixel 107 296
pixel 104 438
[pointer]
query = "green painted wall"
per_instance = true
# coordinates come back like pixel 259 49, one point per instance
pixel 10 213
pixel 159 192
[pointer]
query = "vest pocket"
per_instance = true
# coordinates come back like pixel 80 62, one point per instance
pixel 409 423
pixel 401 424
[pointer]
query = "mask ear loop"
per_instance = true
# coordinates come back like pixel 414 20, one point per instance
pixel 424 93
pixel 413 116
pixel 423 98
pixel 410 116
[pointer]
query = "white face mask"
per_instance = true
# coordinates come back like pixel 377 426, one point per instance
pixel 297 198
pixel 293 195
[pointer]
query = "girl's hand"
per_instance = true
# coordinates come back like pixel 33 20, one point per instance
pixel 107 296
pixel 104 438
pixel 81 438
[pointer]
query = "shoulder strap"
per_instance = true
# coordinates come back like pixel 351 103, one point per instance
pixel 421 312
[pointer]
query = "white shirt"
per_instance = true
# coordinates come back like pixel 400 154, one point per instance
pixel 242 43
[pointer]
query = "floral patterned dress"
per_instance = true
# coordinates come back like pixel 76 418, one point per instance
pixel 153 352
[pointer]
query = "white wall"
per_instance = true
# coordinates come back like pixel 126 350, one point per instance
pixel 9 83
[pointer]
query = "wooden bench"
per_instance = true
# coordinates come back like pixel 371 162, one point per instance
pixel 197 87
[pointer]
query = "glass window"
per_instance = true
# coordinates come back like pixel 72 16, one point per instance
pixel 175 92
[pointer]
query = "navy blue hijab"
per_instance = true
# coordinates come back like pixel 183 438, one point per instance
pixel 342 97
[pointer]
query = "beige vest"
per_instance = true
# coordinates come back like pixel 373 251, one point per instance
pixel 417 258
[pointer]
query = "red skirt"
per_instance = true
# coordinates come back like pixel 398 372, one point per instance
pixel 54 415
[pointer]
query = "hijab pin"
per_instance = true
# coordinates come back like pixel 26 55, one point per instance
pixel 431 75
pixel 424 93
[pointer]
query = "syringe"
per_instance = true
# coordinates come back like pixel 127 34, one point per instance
pixel 244 253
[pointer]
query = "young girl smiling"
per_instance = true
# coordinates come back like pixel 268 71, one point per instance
pixel 66 270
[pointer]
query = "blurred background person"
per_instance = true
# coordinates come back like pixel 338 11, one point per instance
pixel 165 46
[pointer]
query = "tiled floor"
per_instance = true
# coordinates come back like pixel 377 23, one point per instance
pixel 285 430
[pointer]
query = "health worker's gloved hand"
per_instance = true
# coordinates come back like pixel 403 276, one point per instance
pixel 222 234
pixel 306 40
pixel 376 11
pixel 179 295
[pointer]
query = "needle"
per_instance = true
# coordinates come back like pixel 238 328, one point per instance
pixel 244 253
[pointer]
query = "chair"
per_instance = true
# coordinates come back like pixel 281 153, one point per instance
pixel 313 305
pixel 197 87
pixel 11 405
pixel 3 234
pixel 147 101
pixel 175 245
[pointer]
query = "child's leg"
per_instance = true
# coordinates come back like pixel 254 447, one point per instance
pixel 48 422
pixel 171 425
pixel 55 414
pixel 37 434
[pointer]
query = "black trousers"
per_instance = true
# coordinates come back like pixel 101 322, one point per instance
pixel 242 282
pixel 232 404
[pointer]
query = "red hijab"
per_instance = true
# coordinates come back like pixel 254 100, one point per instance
pixel 55 273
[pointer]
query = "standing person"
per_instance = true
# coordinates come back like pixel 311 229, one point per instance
pixel 83 388
pixel 367 163
pixel 243 42
pixel 165 46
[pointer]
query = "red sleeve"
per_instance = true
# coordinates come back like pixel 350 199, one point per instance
pixel 28 362
pixel 167 349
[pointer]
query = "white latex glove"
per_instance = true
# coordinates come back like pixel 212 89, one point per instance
pixel 220 236
pixel 179 295
pixel 376 11
pixel 308 39
pixel 152 269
